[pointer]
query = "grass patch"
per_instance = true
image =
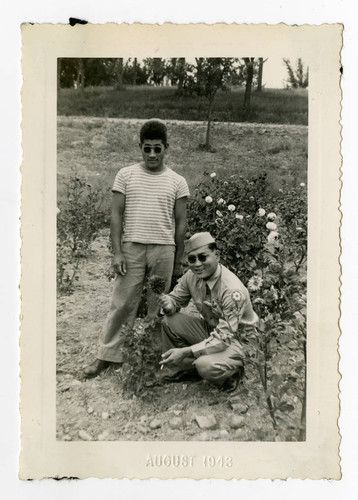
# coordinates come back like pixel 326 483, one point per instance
pixel 268 106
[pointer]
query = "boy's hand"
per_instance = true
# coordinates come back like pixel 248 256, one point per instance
pixel 165 303
pixel 119 264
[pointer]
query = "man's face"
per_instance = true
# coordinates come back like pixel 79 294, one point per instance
pixel 203 262
pixel 153 152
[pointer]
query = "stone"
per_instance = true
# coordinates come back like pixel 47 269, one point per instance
pixel 204 436
pixel 240 435
pixel 75 383
pixel 176 423
pixel 206 421
pixel 177 412
pixel 177 406
pixel 224 433
pixel 66 437
pixel 155 424
pixel 90 410
pixel 85 436
pixel 103 436
pixel 105 415
pixel 237 421
pixel 143 419
pixel 239 407
pixel 142 429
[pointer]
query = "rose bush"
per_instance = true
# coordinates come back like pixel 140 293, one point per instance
pixel 262 238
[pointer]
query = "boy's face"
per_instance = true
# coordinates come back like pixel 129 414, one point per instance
pixel 153 152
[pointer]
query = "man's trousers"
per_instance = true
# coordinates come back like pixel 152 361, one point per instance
pixel 182 330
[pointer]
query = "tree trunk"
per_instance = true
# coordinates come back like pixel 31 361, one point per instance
pixel 81 75
pixel 249 61
pixel 260 73
pixel 207 138
pixel 119 84
pixel 134 79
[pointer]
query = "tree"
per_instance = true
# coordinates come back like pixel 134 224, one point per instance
pixel 204 79
pixel 156 69
pixel 176 71
pixel 249 63
pixel 260 73
pixel 297 77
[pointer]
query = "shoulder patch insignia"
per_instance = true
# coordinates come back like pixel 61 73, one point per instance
pixel 237 296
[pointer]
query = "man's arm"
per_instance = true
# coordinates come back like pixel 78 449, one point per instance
pixel 180 229
pixel 220 338
pixel 118 206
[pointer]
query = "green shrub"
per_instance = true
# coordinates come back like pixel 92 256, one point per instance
pixel 79 219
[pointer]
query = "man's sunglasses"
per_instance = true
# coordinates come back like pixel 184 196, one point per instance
pixel 201 258
pixel 156 149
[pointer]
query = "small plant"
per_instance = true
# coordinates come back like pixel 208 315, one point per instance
pixel 141 359
pixel 79 220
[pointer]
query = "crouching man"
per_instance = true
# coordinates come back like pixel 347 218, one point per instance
pixel 206 344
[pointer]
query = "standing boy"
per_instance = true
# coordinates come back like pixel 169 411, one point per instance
pixel 148 225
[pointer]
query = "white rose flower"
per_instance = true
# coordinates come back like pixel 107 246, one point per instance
pixel 261 212
pixel 239 216
pixel 272 237
pixel 213 175
pixel 221 201
pixel 218 213
pixel 208 199
pixel 271 216
pixel 272 226
pixel 231 208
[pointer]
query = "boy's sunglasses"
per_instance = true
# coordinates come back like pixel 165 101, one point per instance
pixel 156 149
pixel 201 258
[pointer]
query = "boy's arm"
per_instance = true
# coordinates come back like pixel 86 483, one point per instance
pixel 180 229
pixel 118 205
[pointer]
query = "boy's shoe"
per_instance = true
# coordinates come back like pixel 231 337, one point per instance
pixel 96 368
pixel 230 385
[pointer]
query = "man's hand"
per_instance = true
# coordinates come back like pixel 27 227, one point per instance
pixel 165 303
pixel 119 264
pixel 174 357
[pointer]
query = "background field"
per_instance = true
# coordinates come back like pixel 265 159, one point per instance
pixel 96 148
pixel 289 106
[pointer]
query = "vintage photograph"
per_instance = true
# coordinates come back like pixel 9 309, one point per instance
pixel 180 251
pixel 181 248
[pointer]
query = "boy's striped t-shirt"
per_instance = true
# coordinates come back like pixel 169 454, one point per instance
pixel 150 200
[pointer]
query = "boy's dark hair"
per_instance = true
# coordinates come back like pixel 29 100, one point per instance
pixel 153 129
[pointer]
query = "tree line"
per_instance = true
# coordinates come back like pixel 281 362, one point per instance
pixel 203 77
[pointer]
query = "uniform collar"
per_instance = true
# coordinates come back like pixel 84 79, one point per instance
pixel 213 279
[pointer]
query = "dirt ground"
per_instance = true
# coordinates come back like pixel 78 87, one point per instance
pixel 97 409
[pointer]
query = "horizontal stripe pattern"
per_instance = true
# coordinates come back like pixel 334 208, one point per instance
pixel 150 201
